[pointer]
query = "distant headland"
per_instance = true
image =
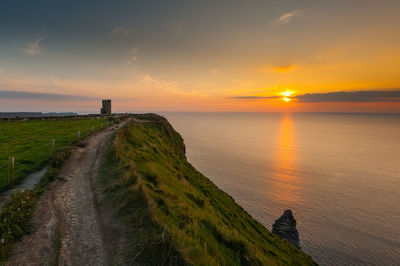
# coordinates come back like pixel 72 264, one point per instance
pixel 34 114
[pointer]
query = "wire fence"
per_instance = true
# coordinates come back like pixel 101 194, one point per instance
pixel 36 155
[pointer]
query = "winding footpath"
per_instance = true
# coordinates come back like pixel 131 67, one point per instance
pixel 67 222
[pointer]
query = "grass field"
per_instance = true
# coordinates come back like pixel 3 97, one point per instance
pixel 175 215
pixel 29 142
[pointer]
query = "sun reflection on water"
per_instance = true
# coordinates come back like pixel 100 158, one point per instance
pixel 286 187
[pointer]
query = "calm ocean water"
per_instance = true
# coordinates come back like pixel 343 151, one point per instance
pixel 338 173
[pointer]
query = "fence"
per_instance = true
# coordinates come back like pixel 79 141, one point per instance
pixel 21 164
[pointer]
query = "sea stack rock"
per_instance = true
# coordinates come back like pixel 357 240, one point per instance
pixel 285 227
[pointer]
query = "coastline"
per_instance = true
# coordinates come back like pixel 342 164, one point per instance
pixel 184 210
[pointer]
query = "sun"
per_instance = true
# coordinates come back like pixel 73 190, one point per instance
pixel 286 95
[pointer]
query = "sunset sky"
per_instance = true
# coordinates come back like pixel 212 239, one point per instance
pixel 325 56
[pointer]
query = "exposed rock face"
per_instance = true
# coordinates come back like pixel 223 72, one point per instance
pixel 285 227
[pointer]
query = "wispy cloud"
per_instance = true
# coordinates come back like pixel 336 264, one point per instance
pixel 133 86
pixel 134 50
pixel 250 97
pixel 282 69
pixel 340 96
pixel 33 48
pixel 148 79
pixel 352 96
pixel 287 17
pixel 133 54
pixel 123 31
pixel 42 96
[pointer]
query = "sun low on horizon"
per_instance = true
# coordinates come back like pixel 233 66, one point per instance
pixel 287 95
pixel 201 56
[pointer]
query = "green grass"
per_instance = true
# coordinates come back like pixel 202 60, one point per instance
pixel 174 214
pixel 17 212
pixel 29 143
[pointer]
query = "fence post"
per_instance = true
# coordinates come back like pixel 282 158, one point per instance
pixel 78 134
pixel 92 129
pixel 53 144
pixel 11 171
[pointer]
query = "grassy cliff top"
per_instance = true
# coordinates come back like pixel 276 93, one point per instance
pixel 29 142
pixel 174 214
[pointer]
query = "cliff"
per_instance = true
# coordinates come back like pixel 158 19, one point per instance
pixel 172 214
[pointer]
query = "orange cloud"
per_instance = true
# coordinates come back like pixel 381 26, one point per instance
pixel 282 69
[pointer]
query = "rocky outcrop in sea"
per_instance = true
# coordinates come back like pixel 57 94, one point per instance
pixel 285 227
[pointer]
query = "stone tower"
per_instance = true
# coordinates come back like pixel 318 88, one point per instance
pixel 106 107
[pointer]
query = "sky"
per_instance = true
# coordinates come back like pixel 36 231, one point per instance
pixel 187 55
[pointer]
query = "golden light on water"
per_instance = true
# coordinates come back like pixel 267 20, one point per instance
pixel 286 99
pixel 287 185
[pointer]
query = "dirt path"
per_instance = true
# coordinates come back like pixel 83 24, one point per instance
pixel 67 227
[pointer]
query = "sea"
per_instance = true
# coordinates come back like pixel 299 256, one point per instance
pixel 338 173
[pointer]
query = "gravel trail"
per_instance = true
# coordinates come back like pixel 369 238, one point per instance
pixel 67 225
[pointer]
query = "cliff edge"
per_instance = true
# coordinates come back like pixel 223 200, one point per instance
pixel 171 213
